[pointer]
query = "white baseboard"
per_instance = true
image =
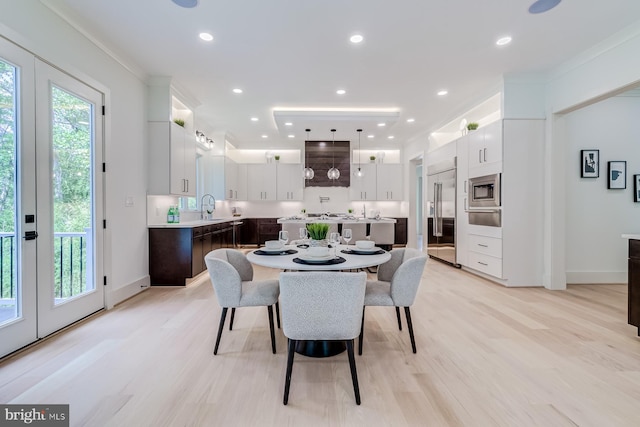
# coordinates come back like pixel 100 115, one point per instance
pixel 598 277
pixel 127 291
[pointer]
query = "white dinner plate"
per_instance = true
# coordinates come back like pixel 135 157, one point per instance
pixel 365 251
pixel 309 258
pixel 273 251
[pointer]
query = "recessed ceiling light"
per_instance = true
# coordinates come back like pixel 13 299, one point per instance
pixel 341 91
pixel 288 124
pixel 443 92
pixel 356 38
pixel 503 41
pixel 411 120
pixel 391 137
pixel 541 6
pixel 370 136
pixel 291 136
pixel 186 3
pixel 265 136
pixel 206 37
pixel 382 124
pixel 254 119
pixel 237 90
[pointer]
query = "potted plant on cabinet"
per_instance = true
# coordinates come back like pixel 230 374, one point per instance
pixel 372 158
pixel 472 126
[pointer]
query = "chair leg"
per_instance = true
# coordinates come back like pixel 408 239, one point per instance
pixel 233 315
pixel 273 335
pixel 398 316
pixel 407 314
pixel 220 328
pixel 287 379
pixel 361 333
pixel 278 314
pixel 354 373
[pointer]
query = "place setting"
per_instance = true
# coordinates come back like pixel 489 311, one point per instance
pixel 324 255
pixel 276 247
pixel 363 247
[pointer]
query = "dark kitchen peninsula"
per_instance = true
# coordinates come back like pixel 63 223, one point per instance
pixel 634 281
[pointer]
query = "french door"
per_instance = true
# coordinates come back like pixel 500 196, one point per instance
pixel 50 199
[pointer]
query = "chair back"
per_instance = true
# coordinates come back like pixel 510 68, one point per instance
pixel 294 229
pixel 226 281
pixel 322 305
pixel 387 270
pixel 406 279
pixel 238 260
pixel 358 231
pixel 383 233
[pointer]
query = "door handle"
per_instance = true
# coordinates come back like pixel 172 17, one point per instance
pixel 485 155
pixel 30 235
pixel 479 156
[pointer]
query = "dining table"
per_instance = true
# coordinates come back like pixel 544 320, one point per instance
pixel 341 257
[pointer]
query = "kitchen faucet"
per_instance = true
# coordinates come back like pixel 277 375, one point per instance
pixel 209 202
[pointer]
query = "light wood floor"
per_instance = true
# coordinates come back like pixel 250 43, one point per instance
pixel 487 356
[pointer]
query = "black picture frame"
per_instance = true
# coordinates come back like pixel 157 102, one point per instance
pixel 636 188
pixel 589 163
pixel 617 175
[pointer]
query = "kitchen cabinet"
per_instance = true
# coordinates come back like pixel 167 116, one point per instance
pixel 633 294
pixel 462 199
pixel 400 231
pixel 261 182
pixel 176 254
pixel 389 181
pixel 235 180
pixel 290 181
pixel 268 229
pixel 172 155
pixel 364 188
pixel 485 150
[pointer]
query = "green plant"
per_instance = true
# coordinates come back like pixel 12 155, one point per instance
pixel 318 230
pixel 303 210
pixel 179 122
pixel 350 210
pixel 372 157
pixel 472 126
pixel 277 157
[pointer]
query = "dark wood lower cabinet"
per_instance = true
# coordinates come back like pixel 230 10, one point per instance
pixel 634 284
pixel 400 231
pixel 177 254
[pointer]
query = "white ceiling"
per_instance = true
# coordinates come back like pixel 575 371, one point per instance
pixel 295 54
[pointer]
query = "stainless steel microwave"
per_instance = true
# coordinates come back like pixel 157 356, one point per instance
pixel 484 191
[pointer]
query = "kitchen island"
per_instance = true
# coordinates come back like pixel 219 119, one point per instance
pixel 633 295
pixel 335 220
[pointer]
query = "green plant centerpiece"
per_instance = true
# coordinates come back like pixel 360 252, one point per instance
pixel 179 122
pixel 318 233
pixel 472 126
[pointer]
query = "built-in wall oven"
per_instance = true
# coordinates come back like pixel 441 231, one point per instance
pixel 484 200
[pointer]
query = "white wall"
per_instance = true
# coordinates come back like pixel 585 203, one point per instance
pixel 596 216
pixel 34 27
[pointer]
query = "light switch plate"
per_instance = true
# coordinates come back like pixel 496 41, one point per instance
pixel 128 202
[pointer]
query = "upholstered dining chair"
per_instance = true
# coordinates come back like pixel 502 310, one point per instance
pixel 231 275
pixel 396 286
pixel 383 233
pixel 358 231
pixel 325 306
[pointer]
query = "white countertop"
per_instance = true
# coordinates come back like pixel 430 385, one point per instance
pixel 631 236
pixel 198 223
pixel 334 219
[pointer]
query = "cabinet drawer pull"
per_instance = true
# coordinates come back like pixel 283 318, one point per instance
pixel 483 263
pixel 485 155
pixel 479 156
pixel 483 246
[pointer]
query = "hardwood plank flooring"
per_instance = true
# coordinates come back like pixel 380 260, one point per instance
pixel 487 356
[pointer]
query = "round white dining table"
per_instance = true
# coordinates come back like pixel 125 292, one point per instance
pixel 286 261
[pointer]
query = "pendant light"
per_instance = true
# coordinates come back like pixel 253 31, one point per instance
pixel 333 173
pixel 359 173
pixel 308 172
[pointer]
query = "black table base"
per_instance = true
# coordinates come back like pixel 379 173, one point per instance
pixel 320 348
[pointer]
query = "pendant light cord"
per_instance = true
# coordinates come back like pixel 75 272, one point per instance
pixel 333 150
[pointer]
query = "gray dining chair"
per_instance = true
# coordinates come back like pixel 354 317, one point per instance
pixel 231 275
pixel 396 286
pixel 325 306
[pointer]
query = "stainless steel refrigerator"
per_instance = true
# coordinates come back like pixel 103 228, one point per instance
pixel 441 222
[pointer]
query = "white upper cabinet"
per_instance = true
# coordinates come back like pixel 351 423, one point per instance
pixel 485 150
pixel 389 181
pixel 172 155
pixel 261 181
pixel 290 181
pixel 364 188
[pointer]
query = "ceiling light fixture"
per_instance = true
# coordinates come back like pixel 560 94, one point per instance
pixel 265 136
pixel 443 92
pixel 206 37
pixel 391 137
pixel 333 173
pixel 411 120
pixel 541 6
pixel 503 41
pixel 288 124
pixel 254 119
pixel 356 38
pixel 341 91
pixel 291 136
pixel 382 124
pixel 359 173
pixel 308 172
pixel 186 3
pixel 370 136
pixel 237 90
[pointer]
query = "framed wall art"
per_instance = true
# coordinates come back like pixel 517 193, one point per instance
pixel 617 175
pixel 590 163
pixel 636 188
